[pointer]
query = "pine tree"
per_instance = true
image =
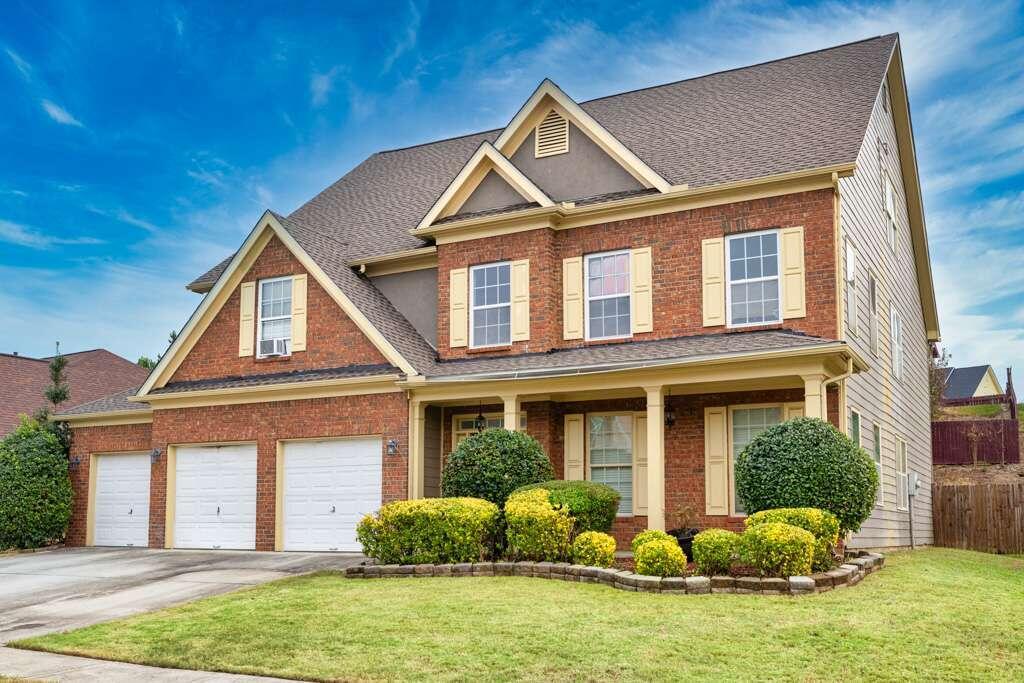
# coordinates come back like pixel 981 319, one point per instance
pixel 57 393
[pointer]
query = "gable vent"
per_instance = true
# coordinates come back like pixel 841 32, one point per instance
pixel 551 136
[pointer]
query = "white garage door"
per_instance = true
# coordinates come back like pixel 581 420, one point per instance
pixel 121 508
pixel 215 497
pixel 328 487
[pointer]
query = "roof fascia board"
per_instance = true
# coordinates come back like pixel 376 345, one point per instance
pixel 293 391
pixel 519 128
pixel 107 419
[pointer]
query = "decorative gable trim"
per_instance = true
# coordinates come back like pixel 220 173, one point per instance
pixel 548 97
pixel 266 228
pixel 485 159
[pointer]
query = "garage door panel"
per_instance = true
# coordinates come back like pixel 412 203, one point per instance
pixel 121 507
pixel 215 497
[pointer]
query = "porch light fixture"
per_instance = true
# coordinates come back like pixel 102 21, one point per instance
pixel 480 423
pixel 670 413
pixel 74 462
pixel 392 447
pixel 154 456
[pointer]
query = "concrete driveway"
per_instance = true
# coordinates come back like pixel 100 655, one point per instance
pixel 59 590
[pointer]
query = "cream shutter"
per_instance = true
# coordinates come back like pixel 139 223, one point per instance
pixel 521 300
pixel 793 298
pixel 299 313
pixel 572 298
pixel 573 438
pixel 642 303
pixel 713 275
pixel 716 461
pixel 458 311
pixel 640 464
pixel 246 320
pixel 793 410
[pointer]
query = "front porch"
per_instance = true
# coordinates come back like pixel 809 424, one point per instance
pixel 611 426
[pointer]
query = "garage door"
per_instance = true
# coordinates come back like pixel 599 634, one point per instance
pixel 121 507
pixel 215 497
pixel 328 487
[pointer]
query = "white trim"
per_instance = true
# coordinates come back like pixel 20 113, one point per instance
pixel 902 481
pixel 260 319
pixel 729 282
pixel 473 307
pixel 895 341
pixel 586 293
pixel 876 451
pixel 860 427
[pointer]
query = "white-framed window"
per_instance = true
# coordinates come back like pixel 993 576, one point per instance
pixel 275 317
pixel 896 341
pixel 754 288
pixel 607 295
pixel 746 422
pixel 890 212
pixel 876 455
pixel 902 483
pixel 464 426
pixel 854 429
pixel 490 321
pixel 851 287
pixel 873 320
pixel 610 454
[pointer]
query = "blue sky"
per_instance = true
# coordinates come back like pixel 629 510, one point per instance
pixel 139 142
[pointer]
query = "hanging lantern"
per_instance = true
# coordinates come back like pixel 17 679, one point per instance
pixel 670 412
pixel 480 423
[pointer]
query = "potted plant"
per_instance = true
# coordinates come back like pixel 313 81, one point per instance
pixel 684 522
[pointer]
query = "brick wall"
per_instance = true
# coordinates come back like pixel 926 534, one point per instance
pixel 675 240
pixel 332 339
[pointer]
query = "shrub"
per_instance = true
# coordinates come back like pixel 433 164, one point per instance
pixel 429 531
pixel 714 550
pixel 594 549
pixel 536 529
pixel 648 536
pixel 821 523
pixel 493 464
pixel 660 558
pixel 807 462
pixel 777 549
pixel 35 489
pixel 592 505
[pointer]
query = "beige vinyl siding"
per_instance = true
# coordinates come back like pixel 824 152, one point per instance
pixel 899 407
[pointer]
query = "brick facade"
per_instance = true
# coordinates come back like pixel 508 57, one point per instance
pixel 675 240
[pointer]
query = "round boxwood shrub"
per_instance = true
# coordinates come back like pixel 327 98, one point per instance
pixel 35 489
pixel 493 464
pixel 807 462
pixel 537 530
pixel 429 531
pixel 594 549
pixel 660 558
pixel 591 504
pixel 777 549
pixel 714 551
pixel 821 523
pixel 648 536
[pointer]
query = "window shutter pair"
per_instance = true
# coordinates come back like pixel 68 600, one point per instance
pixel 641 299
pixel 458 304
pixel 574 455
pixel 247 316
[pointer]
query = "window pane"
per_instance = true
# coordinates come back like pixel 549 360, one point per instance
pixel 747 423
pixel 611 454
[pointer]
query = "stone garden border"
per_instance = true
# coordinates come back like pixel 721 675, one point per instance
pixel 848 574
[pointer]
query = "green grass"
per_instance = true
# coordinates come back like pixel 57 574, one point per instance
pixel 933 614
pixel 977 411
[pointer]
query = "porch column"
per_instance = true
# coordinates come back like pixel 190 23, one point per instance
pixel 655 457
pixel 814 396
pixel 417 418
pixel 511 402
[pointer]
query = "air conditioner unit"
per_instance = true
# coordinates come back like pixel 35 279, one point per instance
pixel 273 347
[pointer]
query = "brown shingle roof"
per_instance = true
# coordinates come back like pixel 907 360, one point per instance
pixel 113 403
pixel 279 378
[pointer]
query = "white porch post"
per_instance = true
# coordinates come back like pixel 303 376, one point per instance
pixel 815 397
pixel 417 417
pixel 655 457
pixel 511 412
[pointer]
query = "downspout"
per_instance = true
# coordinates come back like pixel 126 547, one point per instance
pixel 842 392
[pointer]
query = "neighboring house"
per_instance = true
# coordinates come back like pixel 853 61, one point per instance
pixel 642 282
pixel 976 381
pixel 90 375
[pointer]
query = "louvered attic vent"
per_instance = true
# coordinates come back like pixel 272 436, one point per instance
pixel 551 136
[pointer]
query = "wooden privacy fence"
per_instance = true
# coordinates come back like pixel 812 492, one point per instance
pixel 958 442
pixel 985 517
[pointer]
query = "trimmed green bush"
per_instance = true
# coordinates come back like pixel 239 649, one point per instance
pixel 714 551
pixel 821 523
pixel 535 529
pixel 648 536
pixel 493 464
pixel 594 549
pixel 591 504
pixel 430 531
pixel 35 489
pixel 660 558
pixel 777 549
pixel 806 462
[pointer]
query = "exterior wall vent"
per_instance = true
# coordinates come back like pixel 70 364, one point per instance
pixel 551 136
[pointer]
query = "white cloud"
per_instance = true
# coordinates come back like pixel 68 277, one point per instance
pixel 24 236
pixel 23 67
pixel 123 216
pixel 60 114
pixel 321 84
pixel 407 38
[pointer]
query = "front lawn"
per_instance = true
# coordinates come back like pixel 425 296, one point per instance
pixel 931 614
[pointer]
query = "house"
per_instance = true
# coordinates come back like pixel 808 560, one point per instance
pixel 976 381
pixel 90 375
pixel 643 282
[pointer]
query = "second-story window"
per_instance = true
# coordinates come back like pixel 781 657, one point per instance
pixel 491 308
pixel 275 324
pixel 752 297
pixel 607 281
